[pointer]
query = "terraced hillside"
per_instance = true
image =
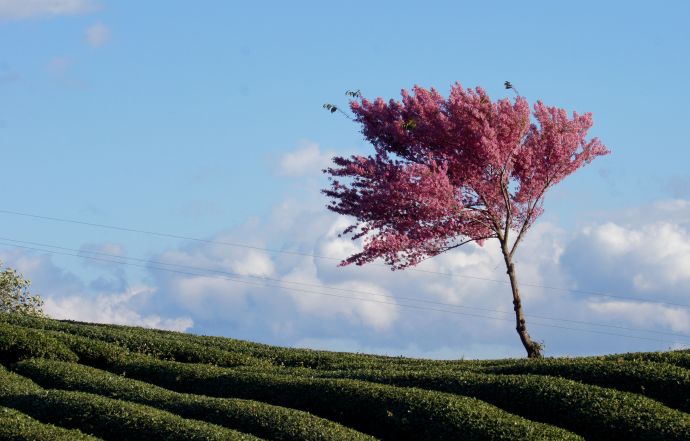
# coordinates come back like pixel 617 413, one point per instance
pixel 67 380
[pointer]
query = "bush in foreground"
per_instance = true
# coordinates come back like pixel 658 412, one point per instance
pixel 17 426
pixel 105 417
pixel 261 419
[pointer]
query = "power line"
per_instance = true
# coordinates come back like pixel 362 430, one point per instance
pixel 322 286
pixel 316 256
pixel 119 261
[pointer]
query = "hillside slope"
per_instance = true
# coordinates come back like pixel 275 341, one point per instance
pixel 71 380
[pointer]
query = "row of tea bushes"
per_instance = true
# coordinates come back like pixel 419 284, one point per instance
pixel 261 419
pixel 380 410
pixel 588 410
pixel 145 341
pixel 187 347
pixel 667 383
pixel 18 426
pixel 106 418
pixel 18 343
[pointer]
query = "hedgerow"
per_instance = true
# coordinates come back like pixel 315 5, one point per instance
pixel 261 419
pixel 257 353
pixel 667 383
pixel 105 417
pixel 678 358
pixel 90 351
pixel 592 411
pixel 380 410
pixel 143 341
pixel 18 343
pixel 18 426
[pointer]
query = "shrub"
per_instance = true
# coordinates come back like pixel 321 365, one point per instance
pixel 589 410
pixel 105 417
pixel 381 410
pixel 18 343
pixel 678 358
pixel 17 426
pixel 145 341
pixel 664 382
pixel 261 419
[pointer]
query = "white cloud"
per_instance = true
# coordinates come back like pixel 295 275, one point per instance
pixel 306 160
pixel 651 257
pixel 644 314
pixel 97 35
pixel 22 9
pixel 119 308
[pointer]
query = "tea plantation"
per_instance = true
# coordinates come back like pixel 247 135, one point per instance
pixel 62 380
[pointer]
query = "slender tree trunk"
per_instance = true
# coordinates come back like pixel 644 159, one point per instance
pixel 533 348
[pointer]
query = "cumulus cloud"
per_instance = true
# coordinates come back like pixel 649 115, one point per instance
pixel 68 296
pixel 22 9
pixel 97 35
pixel 652 258
pixel 643 314
pixel 116 308
pixel 308 159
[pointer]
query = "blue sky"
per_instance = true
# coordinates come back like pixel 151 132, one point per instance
pixel 206 121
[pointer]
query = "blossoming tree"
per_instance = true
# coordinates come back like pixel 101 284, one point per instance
pixel 447 172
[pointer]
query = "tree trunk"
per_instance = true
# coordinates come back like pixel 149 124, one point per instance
pixel 533 348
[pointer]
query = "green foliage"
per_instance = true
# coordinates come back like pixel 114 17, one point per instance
pixel 17 426
pixel 15 295
pixel 611 397
pixel 589 410
pixel 664 382
pixel 144 341
pixel 261 419
pixel 678 358
pixel 18 343
pixel 105 417
pixel 381 410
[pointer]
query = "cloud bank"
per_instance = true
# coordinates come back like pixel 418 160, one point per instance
pixel 300 297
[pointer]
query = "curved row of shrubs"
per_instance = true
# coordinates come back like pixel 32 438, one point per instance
pixel 145 341
pixel 667 383
pixel 206 349
pixel 250 385
pixel 107 418
pixel 380 410
pixel 18 343
pixel 592 411
pixel 261 419
pixel 17 426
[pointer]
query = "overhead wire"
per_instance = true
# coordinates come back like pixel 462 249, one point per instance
pixel 334 288
pixel 316 256
pixel 122 260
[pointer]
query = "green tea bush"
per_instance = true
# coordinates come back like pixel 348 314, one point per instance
pixel 678 358
pixel 667 383
pixel 261 419
pixel 17 426
pixel 105 417
pixel 89 351
pixel 380 410
pixel 144 341
pixel 589 410
pixel 18 343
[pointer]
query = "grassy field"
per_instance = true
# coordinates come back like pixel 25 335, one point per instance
pixel 67 380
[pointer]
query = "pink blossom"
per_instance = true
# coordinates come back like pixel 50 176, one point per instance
pixel 447 171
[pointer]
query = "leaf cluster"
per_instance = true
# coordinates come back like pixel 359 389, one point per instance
pixel 15 296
